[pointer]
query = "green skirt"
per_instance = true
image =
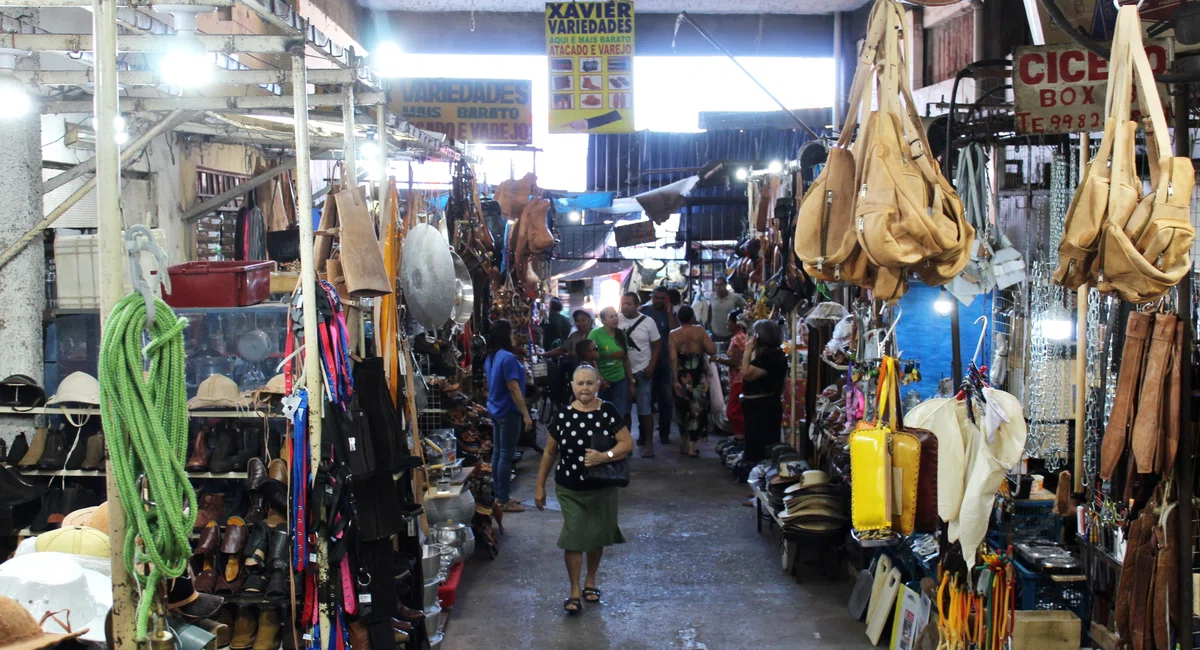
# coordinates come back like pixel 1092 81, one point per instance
pixel 589 518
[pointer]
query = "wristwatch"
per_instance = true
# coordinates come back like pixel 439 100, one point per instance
pixel 610 454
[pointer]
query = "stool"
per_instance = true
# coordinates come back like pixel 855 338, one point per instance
pixel 822 549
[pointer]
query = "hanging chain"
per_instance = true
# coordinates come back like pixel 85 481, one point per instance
pixel 1098 400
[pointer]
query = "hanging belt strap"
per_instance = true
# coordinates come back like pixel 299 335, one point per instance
pixel 300 483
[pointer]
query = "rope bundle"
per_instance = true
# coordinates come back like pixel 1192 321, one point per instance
pixel 145 421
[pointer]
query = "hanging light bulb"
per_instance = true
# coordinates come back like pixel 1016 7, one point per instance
pixel 1057 329
pixel 943 305
pixel 120 134
pixel 386 60
pixel 15 100
pixel 369 151
pixel 186 63
pixel 742 174
pixel 775 167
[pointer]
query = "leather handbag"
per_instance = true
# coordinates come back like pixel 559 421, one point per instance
pixel 885 465
pixel 925 488
pixel 361 254
pixel 871 484
pixel 1147 431
pixel 1135 246
pixel 611 473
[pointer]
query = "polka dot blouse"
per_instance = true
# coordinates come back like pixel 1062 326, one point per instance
pixel 573 429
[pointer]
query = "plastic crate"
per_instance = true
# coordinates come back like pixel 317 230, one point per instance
pixel 1036 590
pixel 1035 521
pixel 77 269
pixel 219 284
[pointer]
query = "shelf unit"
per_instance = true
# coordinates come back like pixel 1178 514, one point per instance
pixel 99 473
pixel 197 413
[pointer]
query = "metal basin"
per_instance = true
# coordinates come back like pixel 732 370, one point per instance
pixel 446 509
pixel 430 593
pixel 427 273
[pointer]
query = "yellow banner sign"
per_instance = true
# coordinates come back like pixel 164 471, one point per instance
pixel 590 47
pixel 496 111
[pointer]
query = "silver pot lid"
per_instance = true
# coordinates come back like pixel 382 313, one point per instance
pixel 450 526
pixel 428 277
pixel 464 292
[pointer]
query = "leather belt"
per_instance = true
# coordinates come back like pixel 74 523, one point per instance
pixel 1146 424
pixel 1115 435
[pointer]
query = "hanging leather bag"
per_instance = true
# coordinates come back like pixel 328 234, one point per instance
pixel 362 256
pixel 1135 246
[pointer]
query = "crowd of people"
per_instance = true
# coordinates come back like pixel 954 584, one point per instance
pixel 617 369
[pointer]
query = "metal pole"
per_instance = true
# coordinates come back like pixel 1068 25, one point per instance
pixel 839 84
pixel 128 154
pixel 1184 461
pixel 381 139
pixel 1082 389
pixel 349 149
pixel 108 212
pixel 308 283
pixel 956 369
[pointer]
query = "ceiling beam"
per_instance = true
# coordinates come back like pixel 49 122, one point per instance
pixel 220 104
pixel 224 43
pixel 152 78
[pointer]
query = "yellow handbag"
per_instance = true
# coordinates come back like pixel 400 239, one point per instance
pixel 885 466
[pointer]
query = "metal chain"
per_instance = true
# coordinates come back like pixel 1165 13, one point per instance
pixel 1097 400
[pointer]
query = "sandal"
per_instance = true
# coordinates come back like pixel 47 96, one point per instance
pixel 512 506
pixel 591 594
pixel 573 606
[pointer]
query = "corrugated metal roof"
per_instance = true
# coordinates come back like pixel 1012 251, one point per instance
pixel 633 163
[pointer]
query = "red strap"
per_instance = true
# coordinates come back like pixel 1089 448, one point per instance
pixel 349 601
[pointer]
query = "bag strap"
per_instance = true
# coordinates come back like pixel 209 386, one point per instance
pixel 864 74
pixel 1148 97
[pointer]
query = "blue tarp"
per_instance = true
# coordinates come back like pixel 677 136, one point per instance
pixel 585 201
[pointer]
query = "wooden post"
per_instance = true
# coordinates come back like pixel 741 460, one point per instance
pixel 1184 461
pixel 1081 374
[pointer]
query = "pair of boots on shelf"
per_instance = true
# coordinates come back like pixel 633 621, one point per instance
pixel 223 447
pixel 54 449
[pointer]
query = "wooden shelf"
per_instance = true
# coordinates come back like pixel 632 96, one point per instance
pixel 201 413
pixel 100 473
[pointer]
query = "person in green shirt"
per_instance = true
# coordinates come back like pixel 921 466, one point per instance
pixel 614 361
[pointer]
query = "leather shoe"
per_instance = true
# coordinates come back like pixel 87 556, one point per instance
pixel 206 579
pixel 278 556
pixel 269 629
pixel 212 508
pixel 17 451
pixel 231 587
pixel 256 583
pixel 256 473
pixel 224 449
pixel 94 458
pixel 410 614
pixel 54 457
pixel 255 551
pixel 36 448
pixel 245 628
pixel 232 546
pixel 277 586
pixel 198 460
pixel 218 629
pixel 14 491
pixel 210 539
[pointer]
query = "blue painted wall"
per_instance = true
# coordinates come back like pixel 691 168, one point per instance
pixel 924 335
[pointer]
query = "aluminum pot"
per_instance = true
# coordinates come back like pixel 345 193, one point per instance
pixel 431 560
pixel 430 592
pixel 455 534
pixel 444 509
pixel 433 619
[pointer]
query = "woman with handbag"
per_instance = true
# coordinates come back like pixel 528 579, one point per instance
pixel 590 442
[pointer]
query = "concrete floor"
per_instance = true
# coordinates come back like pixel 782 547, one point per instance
pixel 694 574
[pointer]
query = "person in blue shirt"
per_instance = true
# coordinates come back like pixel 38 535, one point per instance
pixel 659 311
pixel 506 403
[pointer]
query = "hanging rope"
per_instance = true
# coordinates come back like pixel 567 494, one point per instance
pixel 146 426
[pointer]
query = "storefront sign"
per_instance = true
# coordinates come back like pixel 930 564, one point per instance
pixel 590 47
pixel 1060 88
pixel 496 111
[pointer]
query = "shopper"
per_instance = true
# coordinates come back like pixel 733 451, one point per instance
pixel 764 369
pixel 561 394
pixel 645 347
pixel 733 360
pixel 675 299
pixel 614 361
pixel 664 392
pixel 556 327
pixel 506 403
pixel 589 510
pixel 723 303
pixel 690 349
pixel 583 320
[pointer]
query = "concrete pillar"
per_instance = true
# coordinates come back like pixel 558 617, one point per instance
pixel 22 281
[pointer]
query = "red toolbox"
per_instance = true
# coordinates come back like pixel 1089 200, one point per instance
pixel 219 284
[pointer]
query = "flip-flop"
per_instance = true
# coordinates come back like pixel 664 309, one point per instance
pixel 589 592
pixel 573 602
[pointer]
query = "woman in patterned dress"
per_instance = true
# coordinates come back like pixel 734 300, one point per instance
pixel 691 347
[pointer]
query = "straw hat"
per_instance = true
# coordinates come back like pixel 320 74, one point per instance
pixel 74 540
pixel 93 517
pixel 77 388
pixel 218 391
pixel 20 631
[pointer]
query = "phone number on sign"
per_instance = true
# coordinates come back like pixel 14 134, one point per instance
pixel 1058 123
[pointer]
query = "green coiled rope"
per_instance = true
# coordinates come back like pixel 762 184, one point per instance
pixel 145 421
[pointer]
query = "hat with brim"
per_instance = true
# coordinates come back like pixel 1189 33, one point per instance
pixel 74 540
pixel 57 582
pixel 77 388
pixel 19 630
pixel 93 517
pixel 183 599
pixel 218 391
pixel 813 478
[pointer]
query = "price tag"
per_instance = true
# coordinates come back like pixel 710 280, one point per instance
pixel 365 599
pixel 290 404
pixel 353 442
pixel 307 637
pixel 312 557
pixel 412 527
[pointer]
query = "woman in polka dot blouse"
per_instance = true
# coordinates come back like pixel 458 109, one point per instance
pixel 589 509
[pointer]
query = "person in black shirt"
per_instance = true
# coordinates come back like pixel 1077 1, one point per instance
pixel 764 370
pixel 556 327
pixel 589 509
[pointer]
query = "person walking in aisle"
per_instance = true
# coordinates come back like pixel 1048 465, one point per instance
pixel 583 320
pixel 589 509
pixel 506 403
pixel 723 304
pixel 614 361
pixel 732 359
pixel 556 327
pixel 675 299
pixel 690 349
pixel 645 347
pixel 659 311
pixel 764 370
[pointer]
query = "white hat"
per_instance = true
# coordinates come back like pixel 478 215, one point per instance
pixel 77 388
pixel 53 582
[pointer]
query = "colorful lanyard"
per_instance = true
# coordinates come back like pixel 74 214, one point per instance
pixel 300 471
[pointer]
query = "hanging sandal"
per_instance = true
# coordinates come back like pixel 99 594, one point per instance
pixel 573 606
pixel 591 594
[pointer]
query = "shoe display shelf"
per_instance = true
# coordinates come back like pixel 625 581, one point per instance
pixel 54 410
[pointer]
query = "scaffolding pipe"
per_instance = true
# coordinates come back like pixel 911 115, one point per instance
pixel 153 78
pixel 195 212
pixel 240 103
pixel 135 147
pixel 349 148
pixel 381 140
pixel 224 43
pixel 839 84
pixel 128 154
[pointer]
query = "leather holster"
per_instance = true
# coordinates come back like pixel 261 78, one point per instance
pixel 1147 432
pixel 1137 329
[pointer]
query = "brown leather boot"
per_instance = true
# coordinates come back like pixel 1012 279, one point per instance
pixel 212 508
pixel 36 449
pixel 269 630
pixel 224 449
pixel 198 460
pixel 54 456
pixel 245 628
pixel 94 458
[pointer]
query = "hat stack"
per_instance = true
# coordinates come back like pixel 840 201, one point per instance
pixel 813 506
pixel 784 473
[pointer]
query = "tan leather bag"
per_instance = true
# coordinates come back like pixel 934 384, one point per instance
pixel 360 254
pixel 899 214
pixel 1135 246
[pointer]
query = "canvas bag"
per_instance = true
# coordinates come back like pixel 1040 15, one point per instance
pixel 1135 246
pixel 898 214
pixel 346 216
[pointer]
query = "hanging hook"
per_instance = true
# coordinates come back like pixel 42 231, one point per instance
pixel 138 239
pixel 891 330
pixel 982 334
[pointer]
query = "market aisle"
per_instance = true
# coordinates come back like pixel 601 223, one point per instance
pixel 693 568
